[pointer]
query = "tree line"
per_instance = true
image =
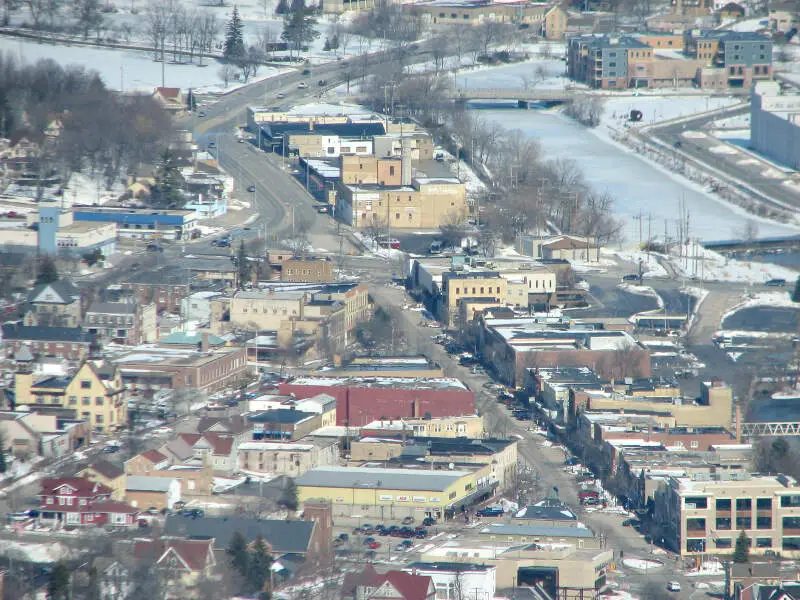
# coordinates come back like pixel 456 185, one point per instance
pixel 99 131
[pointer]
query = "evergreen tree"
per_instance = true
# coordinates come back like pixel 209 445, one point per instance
pixel 259 565
pixel 237 552
pixel 299 26
pixel 288 497
pixel 167 190
pixel 243 265
pixel 235 50
pixel 3 463
pixel 282 8
pixel 741 553
pixel 47 271
pixel 327 46
pixel 58 582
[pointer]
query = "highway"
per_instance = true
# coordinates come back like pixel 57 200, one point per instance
pixel 771 190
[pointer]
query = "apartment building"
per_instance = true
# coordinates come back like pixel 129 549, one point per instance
pixel 94 392
pixel 609 63
pixel 56 304
pixel 461 285
pixel 128 323
pixel 732 58
pixel 286 458
pixel 164 287
pixel 704 514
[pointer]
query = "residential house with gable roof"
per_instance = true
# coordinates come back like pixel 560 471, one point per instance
pixel 56 304
pixel 78 501
pixel 215 449
pixel 392 585
pixel 146 462
pixel 94 392
pixel 107 473
pixel 185 563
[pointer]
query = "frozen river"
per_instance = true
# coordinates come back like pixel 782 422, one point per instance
pixel 638 185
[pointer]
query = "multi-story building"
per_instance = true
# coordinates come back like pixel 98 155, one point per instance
pixel 76 501
pixel 95 393
pixel 603 62
pixel 775 123
pixel 284 424
pixel 142 223
pixel 458 285
pixel 466 426
pixel 285 458
pixel 56 304
pixel 421 203
pixel 732 58
pixel 704 514
pixel 68 343
pixel 307 269
pixel 164 287
pixel 370 170
pixel 130 323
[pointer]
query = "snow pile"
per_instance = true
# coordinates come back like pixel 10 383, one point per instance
pixel 701 263
pixel 48 553
pixel 642 564
pixel 774 299
pixel 711 567
pixel 651 267
pixel 642 290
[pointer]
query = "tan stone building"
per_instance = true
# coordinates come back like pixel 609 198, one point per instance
pixel 285 458
pixel 424 203
pixel 458 285
pixel 144 491
pixel 109 474
pixel 310 269
pixel 371 170
pixel 469 426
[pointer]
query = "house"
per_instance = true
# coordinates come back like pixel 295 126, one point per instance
pixel 78 501
pixel 731 10
pixel 478 579
pixel 170 98
pixel 215 449
pixel 130 323
pixel 184 563
pixel 236 426
pixel 392 585
pixel 56 304
pixel 94 392
pixel 108 474
pixel 144 492
pixel 40 433
pixel 146 462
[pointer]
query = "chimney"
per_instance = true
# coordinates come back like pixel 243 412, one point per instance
pixel 204 343
pixel 738 424
pixel 405 162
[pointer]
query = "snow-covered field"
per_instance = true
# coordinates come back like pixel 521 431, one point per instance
pixel 700 263
pixel 128 69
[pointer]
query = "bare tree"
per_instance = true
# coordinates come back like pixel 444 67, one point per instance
pixel 376 228
pixel 207 31
pixel 159 16
pixel 226 73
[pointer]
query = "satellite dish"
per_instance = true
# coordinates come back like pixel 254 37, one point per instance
pixel 451 466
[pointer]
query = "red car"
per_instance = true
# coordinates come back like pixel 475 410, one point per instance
pixel 374 545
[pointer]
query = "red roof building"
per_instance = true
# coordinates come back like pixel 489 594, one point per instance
pixel 392 585
pixel 78 501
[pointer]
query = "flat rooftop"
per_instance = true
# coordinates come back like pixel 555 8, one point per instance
pixel 403 383
pixel 392 479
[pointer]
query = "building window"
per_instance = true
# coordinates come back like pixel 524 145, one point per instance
pixel 763 503
pixel 696 502
pixel 73 400
pixel 724 504
pixel 723 523
pixel 86 385
pixel 763 522
pixel 85 400
pixel 723 543
pixel 763 542
pixel 98 401
pixel 744 504
pixel 98 419
pixel 744 523
pixel 391 170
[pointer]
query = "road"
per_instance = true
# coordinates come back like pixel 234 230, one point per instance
pixel 771 190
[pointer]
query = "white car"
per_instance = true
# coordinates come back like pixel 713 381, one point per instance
pixel 674 586
pixel 302 85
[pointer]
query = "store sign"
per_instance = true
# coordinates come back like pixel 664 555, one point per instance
pixel 419 498
pixel 434 499
pixel 402 498
pixel 385 497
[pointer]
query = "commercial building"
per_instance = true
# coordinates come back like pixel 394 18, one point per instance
pixel 523 533
pixel 142 223
pixel 478 580
pixel 513 345
pixel 562 570
pixel 361 400
pixel 775 123
pixel 286 458
pixel 153 366
pixel 388 366
pixel 705 514
pixel 307 269
pixel 284 424
pixel 68 343
pixel 417 203
pixel 394 493
pixel 467 426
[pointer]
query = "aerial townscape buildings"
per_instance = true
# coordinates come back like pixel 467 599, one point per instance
pixel 421 300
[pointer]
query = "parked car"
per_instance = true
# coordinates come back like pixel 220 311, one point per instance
pixel 154 248
pixel 491 511
pixel 306 71
pixel 408 520
pixel 374 545
pixel 404 545
pixel 674 586
pixel 368 540
pixel 775 283
pixel 421 534
pixel 428 521
pixel 302 85
pixel 251 188
pixel 322 82
pixel 280 95
pixel 630 523
pixel 630 277
pixel 370 554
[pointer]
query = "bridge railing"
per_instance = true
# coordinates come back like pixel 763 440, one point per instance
pixel 781 428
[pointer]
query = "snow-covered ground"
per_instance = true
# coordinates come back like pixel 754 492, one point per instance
pixel 780 299
pixel 617 110
pixel 700 263
pixel 129 69
pixel 37 553
pixel 649 260
pixel 642 564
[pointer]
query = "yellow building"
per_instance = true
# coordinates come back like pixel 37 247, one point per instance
pixel 95 392
pixel 393 493
pixel 109 474
pixel 473 284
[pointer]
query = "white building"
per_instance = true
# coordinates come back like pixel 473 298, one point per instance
pixel 775 123
pixel 458 580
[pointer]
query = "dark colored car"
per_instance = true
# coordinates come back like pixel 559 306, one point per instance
pixel 630 277
pixel 251 188
pixel 775 283
pixel 370 554
pixel 420 534
pixel 154 248
pixel 491 512
pixel 322 82
pixel 428 521
pixel 306 71
pixel 343 536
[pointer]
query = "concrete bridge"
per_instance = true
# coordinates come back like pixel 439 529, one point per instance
pixel 781 429
pixel 522 97
pixel 788 242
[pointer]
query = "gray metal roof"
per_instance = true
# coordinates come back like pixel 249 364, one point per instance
pixel 282 536
pixel 143 483
pixel 390 479
pixel 537 531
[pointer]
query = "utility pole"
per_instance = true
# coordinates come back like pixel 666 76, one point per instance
pixel 639 218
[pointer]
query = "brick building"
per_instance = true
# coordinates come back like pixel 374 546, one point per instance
pixel 164 287
pixel 307 269
pixel 361 400
pixel 68 343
